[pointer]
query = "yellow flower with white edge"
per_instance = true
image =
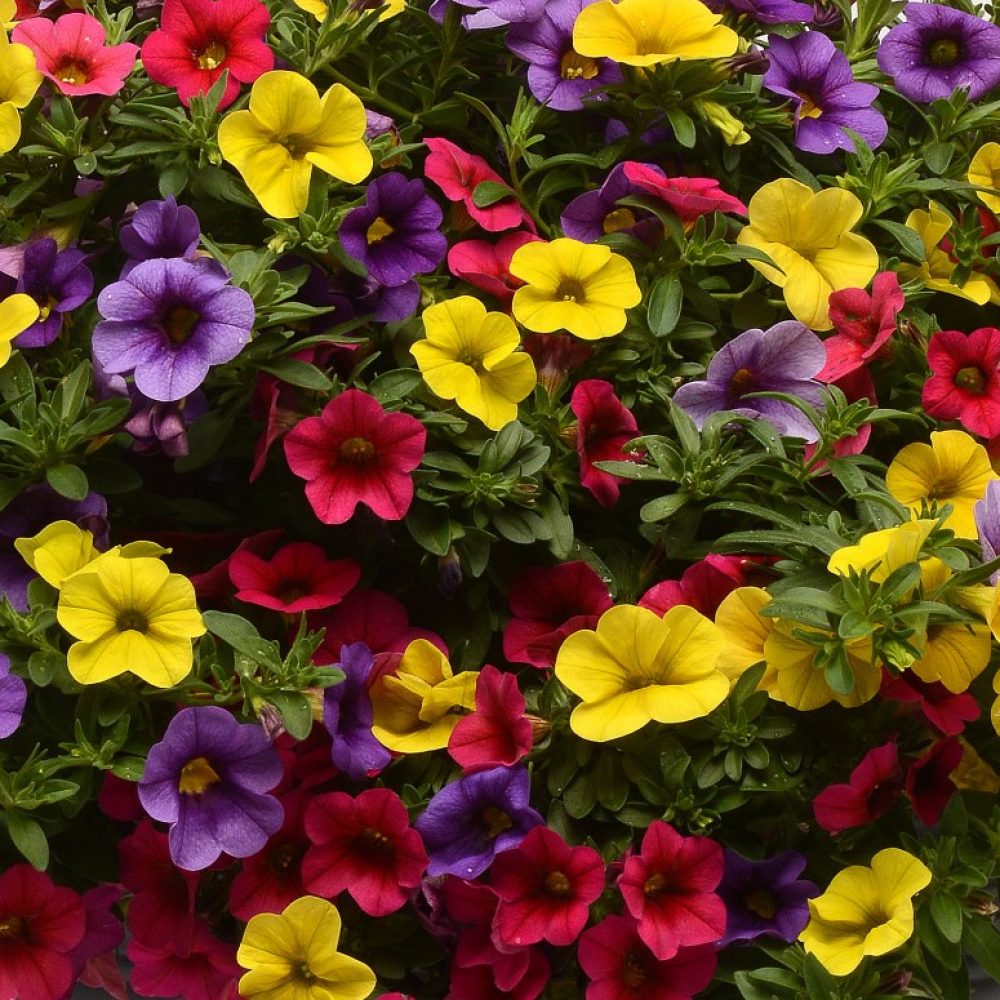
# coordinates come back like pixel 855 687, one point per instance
pixel 650 32
pixel 470 355
pixel 809 236
pixel 568 285
pixel 984 172
pixel 293 955
pixel 19 80
pixel 954 469
pixel 286 131
pixel 129 615
pixel 17 313
pixel 865 911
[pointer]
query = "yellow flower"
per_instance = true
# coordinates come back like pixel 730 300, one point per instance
pixel 954 653
pixel 808 235
pixel 319 8
pixel 984 172
pixel 469 356
pixel 865 911
pixel 935 272
pixel 580 287
pixel 287 130
pixel 952 469
pixel 995 710
pixel 973 774
pixel 130 614
pixel 648 32
pixel 418 705
pixel 17 312
pixel 733 131
pixel 57 551
pixel 745 630
pixel 883 552
pixel 19 79
pixel 293 956
pixel 638 668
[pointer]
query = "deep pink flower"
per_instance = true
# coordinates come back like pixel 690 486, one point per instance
pixel 479 982
pixel 928 779
pixel 689 197
pixel 874 786
pixel 355 452
pixel 604 427
pixel 497 732
pixel 119 799
pixel 71 52
pixel 487 265
pixel 965 383
pixel 545 889
pixel 702 586
pixel 199 968
pixel 947 712
pixel 669 887
pixel 103 932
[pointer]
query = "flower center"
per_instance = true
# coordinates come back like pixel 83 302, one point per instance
pixel 357 450
pixel 131 620
pixel 374 842
pixel 284 858
pixel 557 884
pixel 73 72
pixel 761 902
pixel 809 108
pixel 571 290
pixel 46 307
pixel 296 145
pixel 196 776
pixel 944 52
pixel 619 219
pixel 12 927
pixel 212 57
pixel 179 324
pixel 945 488
pixel 634 971
pixel 378 231
pixel 655 885
pixel 742 382
pixel 971 379
pixel 573 66
pixel 495 821
pixel 291 590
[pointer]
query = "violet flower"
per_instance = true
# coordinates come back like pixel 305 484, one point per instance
pixel 160 229
pixel 347 715
pixel 938 50
pixel 812 72
pixel 474 818
pixel 167 322
pixel 987 515
pixel 765 897
pixel 208 778
pixel 785 358
pixel 766 11
pixel 162 427
pixel 594 214
pixel 59 281
pixel 490 13
pixel 13 698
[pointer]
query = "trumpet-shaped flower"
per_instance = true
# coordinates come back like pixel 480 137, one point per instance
pixel 470 355
pixel 964 383
pixel 580 287
pixel 19 79
pixel 809 237
pixel 745 630
pixel 954 653
pixel 58 551
pixel 287 130
pixel 984 172
pixel 865 911
pixel 638 668
pixel 650 32
pixel 17 312
pixel 882 552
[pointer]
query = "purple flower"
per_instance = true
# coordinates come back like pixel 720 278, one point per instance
pixel 59 281
pixel 160 229
pixel 811 71
pixel 162 427
pixel 765 897
pixel 594 214
pixel 558 75
pixel 207 778
pixel 939 49
pixel 13 697
pixel 26 515
pixel 347 715
pixel 987 515
pixel 491 13
pixel 396 233
pixel 168 322
pixel 474 818
pixel 766 11
pixel 786 358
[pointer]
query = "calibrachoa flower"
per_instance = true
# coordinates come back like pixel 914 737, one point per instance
pixel 703 586
pixel 196 967
pixel 604 426
pixel 594 214
pixel 160 229
pixel 17 313
pixel 928 780
pixel 19 80
pixel 13 697
pixel 208 778
pixel 874 787
pixel 486 266
pixel 964 383
pixel 497 732
pixel 689 197
pixel 767 11
pixel 984 171
pixel 59 281
pixel 945 711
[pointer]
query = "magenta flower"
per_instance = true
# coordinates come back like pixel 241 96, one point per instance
pixel 604 426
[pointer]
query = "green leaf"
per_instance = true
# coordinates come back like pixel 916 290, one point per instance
pixel 392 386
pixel 299 373
pixel 662 508
pixel 981 940
pixel 488 193
pixel 28 838
pixel 67 481
pixel 430 527
pixel 581 796
pixel 241 635
pixel 947 914
pixel 296 712
pixel 937 156
pixel 908 239
pixel 664 307
pixel 683 127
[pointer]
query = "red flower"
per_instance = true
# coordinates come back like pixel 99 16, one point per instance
pixel 668 887
pixel 479 982
pixel 545 889
pixel 199 968
pixel 497 732
pixel 947 712
pixel 928 780
pixel 702 586
pixel 965 384
pixel 548 603
pixel 864 324
pixel 71 52
pixel 621 967
pixel 874 786
pixel 689 197
pixel 40 924
pixel 119 799
pixel 298 577
pixel 355 452
pixel 604 426
pixel 555 356
pixel 487 265
pixel 198 39
pixel 364 845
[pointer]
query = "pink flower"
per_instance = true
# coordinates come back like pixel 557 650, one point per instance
pixel 689 197
pixel 487 265
pixel 497 732
pixel 702 586
pixel 874 786
pixel 199 968
pixel 604 426
pixel 945 711
pixel 71 52
pixel 928 780
pixel 356 452
pixel 965 383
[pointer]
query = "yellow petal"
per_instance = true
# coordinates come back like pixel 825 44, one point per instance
pixel 955 654
pixel 57 551
pixel 17 313
pixel 10 127
pixel 984 172
pixel 19 75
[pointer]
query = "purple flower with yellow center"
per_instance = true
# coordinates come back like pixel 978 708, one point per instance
pixel 396 233
pixel 811 71
pixel 473 819
pixel 765 897
pixel 594 214
pixel 59 281
pixel 167 322
pixel 13 697
pixel 785 358
pixel 938 50
pixel 557 74
pixel 160 229
pixel 208 778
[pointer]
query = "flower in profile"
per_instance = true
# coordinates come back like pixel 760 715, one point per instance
pixel 702 586
pixel 486 266
pixel 286 131
pixel 638 668
pixel 19 80
pixel 470 355
pixel 767 11
pixel 953 469
pixel 583 288
pixel 58 281
pixel 765 898
pixel 816 76
pixel 874 786
pixel 984 172
pixel 964 384
pixel 294 954
pixel 58 551
pixel 472 819
pixel 928 779
pixel 785 358
pixel 13 698
pixel 946 712
pixel 71 52
pixel 497 733
pixel 648 33
pixel 594 214
pixel 865 911
pixel 17 314
pixel 689 197
pixel 160 229
pixel 809 236
pixel 938 50
pixel 197 966
pixel 604 426
pixel 208 779
pixel 199 40
pixel 364 846
pixel 356 452
pixel 954 653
